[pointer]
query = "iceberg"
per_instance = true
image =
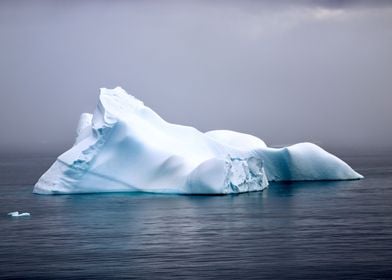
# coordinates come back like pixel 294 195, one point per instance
pixel 124 146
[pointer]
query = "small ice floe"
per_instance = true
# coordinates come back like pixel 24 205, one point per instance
pixel 17 214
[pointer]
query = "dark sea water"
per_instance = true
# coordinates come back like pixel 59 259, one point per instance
pixel 313 230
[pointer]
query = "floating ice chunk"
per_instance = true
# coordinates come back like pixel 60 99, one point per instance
pixel 17 214
pixel 124 146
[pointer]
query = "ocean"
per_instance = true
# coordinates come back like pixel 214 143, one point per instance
pixel 300 230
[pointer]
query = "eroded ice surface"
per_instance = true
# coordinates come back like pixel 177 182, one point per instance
pixel 124 146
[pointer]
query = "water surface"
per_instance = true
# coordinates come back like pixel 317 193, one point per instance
pixel 312 230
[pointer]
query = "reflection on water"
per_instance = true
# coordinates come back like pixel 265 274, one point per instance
pixel 330 230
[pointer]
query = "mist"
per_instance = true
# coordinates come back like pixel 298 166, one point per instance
pixel 287 73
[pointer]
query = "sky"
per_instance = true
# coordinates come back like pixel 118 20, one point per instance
pixel 313 71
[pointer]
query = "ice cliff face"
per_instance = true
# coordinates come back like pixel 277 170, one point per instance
pixel 124 146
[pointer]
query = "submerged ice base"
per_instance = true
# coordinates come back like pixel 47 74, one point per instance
pixel 126 147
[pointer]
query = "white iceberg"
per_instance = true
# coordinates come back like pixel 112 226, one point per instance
pixel 17 214
pixel 124 146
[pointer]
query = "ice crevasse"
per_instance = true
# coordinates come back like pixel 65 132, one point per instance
pixel 124 146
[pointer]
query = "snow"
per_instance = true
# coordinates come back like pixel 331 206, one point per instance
pixel 124 146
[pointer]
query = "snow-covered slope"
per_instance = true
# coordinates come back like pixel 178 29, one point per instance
pixel 126 147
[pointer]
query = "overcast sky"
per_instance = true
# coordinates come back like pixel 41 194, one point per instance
pixel 318 71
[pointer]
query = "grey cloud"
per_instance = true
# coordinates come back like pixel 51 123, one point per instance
pixel 286 74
